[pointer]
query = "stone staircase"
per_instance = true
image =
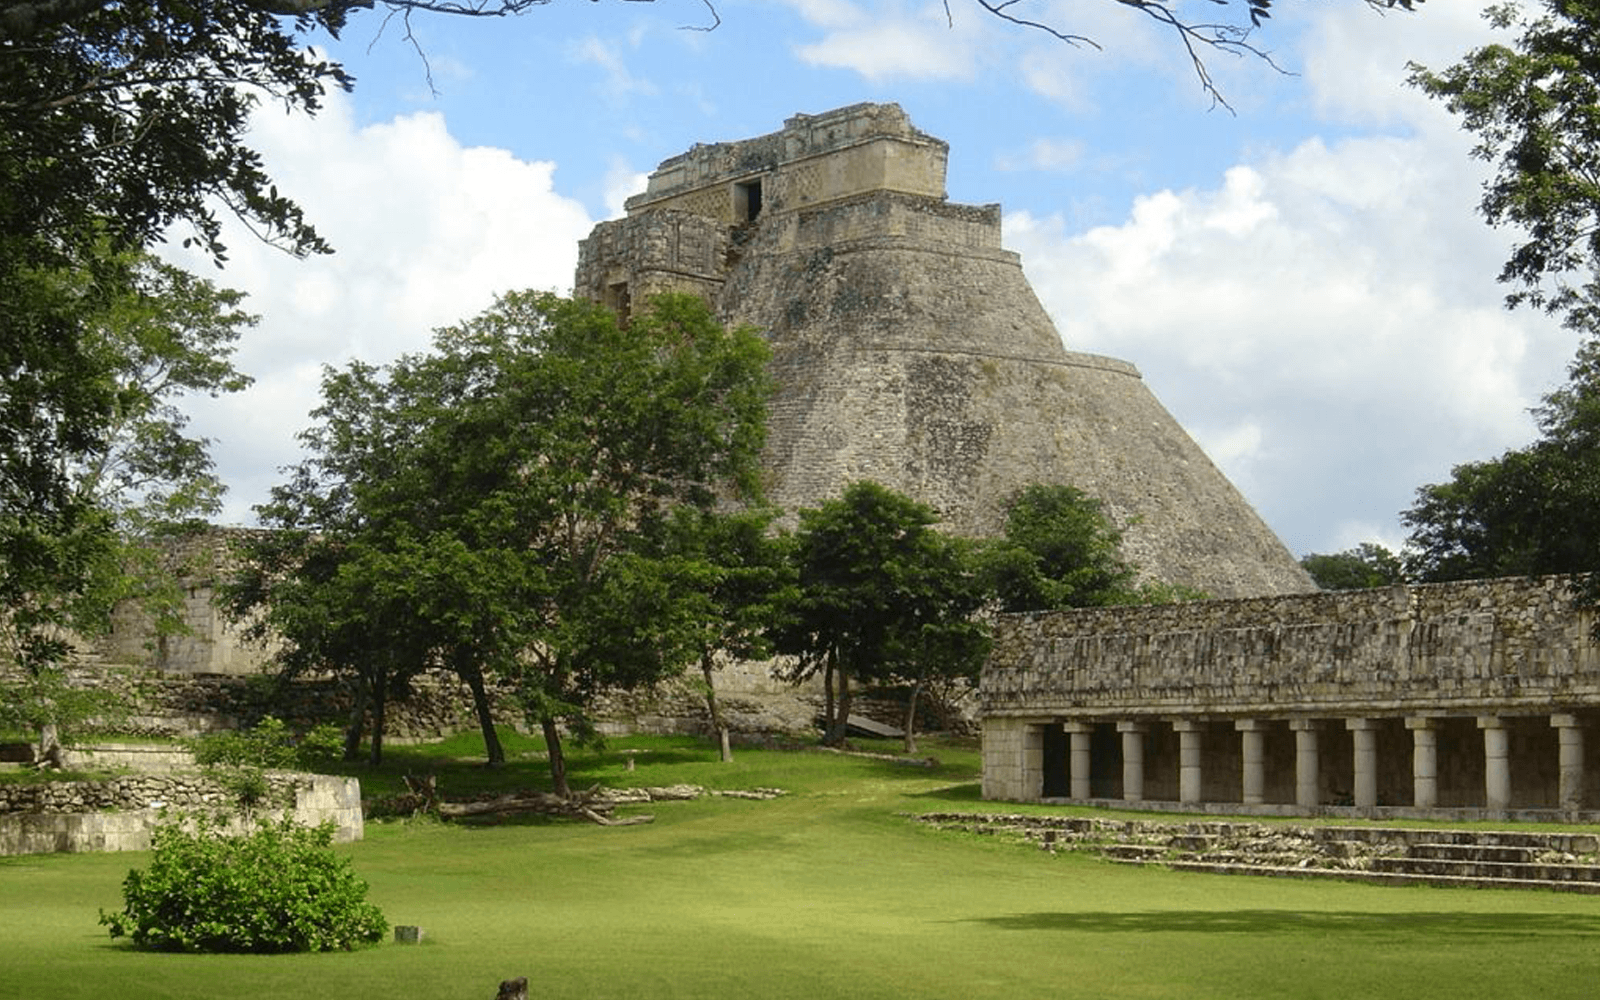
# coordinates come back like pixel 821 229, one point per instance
pixel 1565 861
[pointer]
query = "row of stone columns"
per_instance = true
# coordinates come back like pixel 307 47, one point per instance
pixel 1364 739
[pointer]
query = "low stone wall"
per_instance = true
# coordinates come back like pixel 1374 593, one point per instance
pixel 134 756
pixel 119 814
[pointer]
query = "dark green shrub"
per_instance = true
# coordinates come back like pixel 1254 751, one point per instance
pixel 278 889
pixel 270 744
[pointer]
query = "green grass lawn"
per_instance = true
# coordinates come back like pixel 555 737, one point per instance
pixel 828 892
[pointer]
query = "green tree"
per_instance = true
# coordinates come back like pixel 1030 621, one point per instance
pixel 744 577
pixel 1534 107
pixel 1058 550
pixel 502 501
pixel 1366 565
pixel 163 334
pixel 1533 510
pixel 882 595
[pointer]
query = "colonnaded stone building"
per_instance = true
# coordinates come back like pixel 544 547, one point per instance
pixel 1473 699
pixel 909 349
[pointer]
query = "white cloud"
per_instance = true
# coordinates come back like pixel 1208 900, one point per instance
pixel 1356 59
pixel 622 183
pixel 1055 155
pixel 620 81
pixel 427 233
pixel 1325 321
pixel 895 43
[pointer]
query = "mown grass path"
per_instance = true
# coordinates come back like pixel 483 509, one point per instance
pixel 828 892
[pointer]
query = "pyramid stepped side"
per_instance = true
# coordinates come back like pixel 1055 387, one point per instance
pixel 909 348
pixel 925 361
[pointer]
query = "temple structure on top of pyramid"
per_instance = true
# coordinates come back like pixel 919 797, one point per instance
pixel 909 349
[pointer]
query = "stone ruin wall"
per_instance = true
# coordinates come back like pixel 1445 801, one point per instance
pixel 1448 648
pixel 1513 649
pixel 119 814
pixel 813 158
pixel 210 644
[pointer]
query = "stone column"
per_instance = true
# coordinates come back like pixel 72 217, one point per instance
pixel 1132 760
pixel 1189 773
pixel 1570 735
pixel 1424 762
pixel 1307 795
pixel 1078 757
pixel 1253 740
pixel 1364 736
pixel 1496 763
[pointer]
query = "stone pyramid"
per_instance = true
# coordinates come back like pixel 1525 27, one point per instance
pixel 908 347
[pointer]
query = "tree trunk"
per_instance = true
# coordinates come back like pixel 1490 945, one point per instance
pixel 358 719
pixel 50 749
pixel 380 700
pixel 717 727
pixel 911 717
pixel 480 704
pixel 841 724
pixel 827 695
pixel 558 762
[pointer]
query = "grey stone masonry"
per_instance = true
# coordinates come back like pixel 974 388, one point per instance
pixel 908 347
pixel 118 814
pixel 1468 700
pixel 1467 647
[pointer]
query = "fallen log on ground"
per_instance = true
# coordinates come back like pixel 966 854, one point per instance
pixel 594 804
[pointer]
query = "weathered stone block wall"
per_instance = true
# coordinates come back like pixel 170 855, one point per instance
pixel 119 814
pixel 1461 647
pixel 213 644
pixel 652 254
pixel 815 158
pixel 926 221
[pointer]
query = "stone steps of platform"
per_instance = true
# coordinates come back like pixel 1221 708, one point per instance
pixel 1474 852
pixel 1490 869
pixel 1563 861
pixel 1439 880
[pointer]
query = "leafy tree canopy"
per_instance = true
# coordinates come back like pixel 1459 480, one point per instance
pixel 499 504
pixel 79 515
pixel 1534 107
pixel 1533 510
pixel 1366 565
pixel 882 595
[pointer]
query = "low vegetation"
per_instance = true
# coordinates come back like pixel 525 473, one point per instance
pixel 279 888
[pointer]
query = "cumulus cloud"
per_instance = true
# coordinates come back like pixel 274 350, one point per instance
pixel 427 232
pixel 1049 154
pixel 893 42
pixel 621 82
pixel 1324 321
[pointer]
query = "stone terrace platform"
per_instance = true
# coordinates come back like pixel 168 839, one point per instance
pixel 1564 862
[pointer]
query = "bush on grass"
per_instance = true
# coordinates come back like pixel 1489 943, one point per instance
pixel 278 889
pixel 270 744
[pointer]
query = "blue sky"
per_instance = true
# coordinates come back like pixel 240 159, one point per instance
pixel 1303 283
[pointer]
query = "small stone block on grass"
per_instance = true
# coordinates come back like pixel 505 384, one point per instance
pixel 513 989
pixel 407 934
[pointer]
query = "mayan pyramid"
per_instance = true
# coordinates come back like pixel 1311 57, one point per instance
pixel 908 347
